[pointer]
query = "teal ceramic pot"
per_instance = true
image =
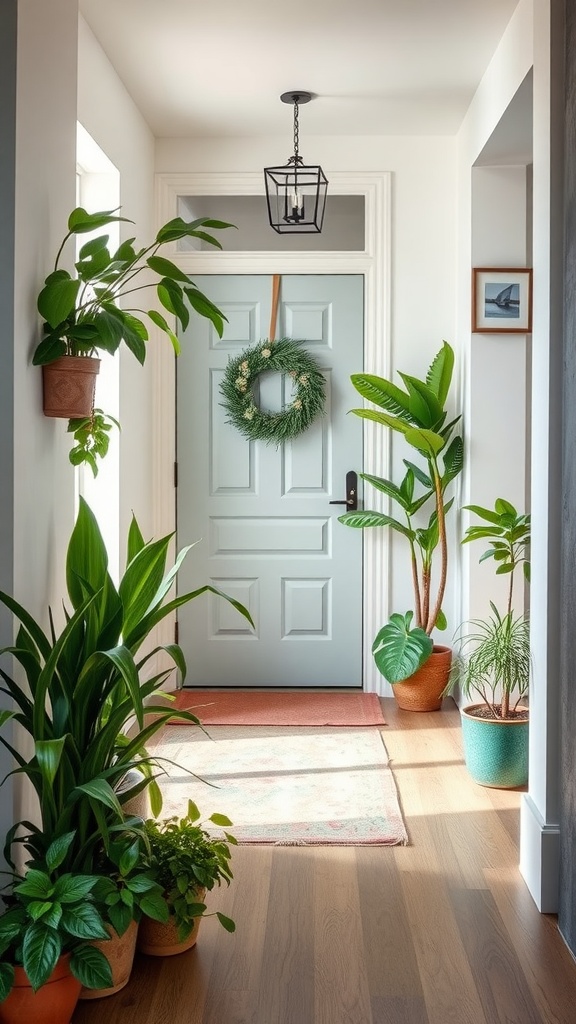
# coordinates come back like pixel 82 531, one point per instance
pixel 496 752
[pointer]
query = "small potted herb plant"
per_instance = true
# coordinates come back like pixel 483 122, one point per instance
pixel 493 661
pixel 186 861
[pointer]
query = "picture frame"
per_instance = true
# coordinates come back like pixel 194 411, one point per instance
pixel 501 300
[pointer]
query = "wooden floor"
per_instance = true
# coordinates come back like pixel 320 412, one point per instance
pixel 442 931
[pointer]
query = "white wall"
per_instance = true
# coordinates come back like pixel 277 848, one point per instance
pixel 45 191
pixel 108 113
pixel 423 297
pixel 528 41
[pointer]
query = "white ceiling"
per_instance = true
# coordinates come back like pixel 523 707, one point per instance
pixel 376 67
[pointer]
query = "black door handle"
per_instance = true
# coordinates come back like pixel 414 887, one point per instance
pixel 351 499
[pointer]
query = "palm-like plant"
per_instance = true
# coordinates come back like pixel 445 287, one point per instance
pixel 494 657
pixel 419 413
pixel 84 686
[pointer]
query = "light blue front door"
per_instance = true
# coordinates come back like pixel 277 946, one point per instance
pixel 266 531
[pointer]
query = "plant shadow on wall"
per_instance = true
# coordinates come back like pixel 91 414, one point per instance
pixel 88 703
pixel 82 316
pixel 418 412
pixel 493 661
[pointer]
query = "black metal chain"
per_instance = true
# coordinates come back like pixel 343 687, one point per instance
pixel 296 133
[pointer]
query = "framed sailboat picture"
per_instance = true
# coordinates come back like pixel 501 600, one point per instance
pixel 501 300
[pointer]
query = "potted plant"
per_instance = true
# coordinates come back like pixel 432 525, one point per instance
pixel 45 952
pixel 494 659
pixel 82 316
pixel 124 890
pixel 405 653
pixel 186 861
pixel 85 685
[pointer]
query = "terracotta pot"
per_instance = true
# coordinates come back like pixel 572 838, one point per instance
pixel 495 749
pixel 423 691
pixel 158 939
pixel 52 1004
pixel 119 950
pixel 69 386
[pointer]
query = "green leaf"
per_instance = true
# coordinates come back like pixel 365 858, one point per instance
pixel 48 756
pixel 399 650
pixel 58 849
pixel 90 966
pixel 165 268
pixel 58 297
pixel 365 518
pixel 453 459
pixel 221 819
pixel 73 888
pixel 6 980
pixel 80 221
pixel 36 884
pixel 160 322
pixel 50 348
pixel 135 540
pixel 41 950
pixel 441 621
pixel 100 790
pixel 425 409
pixel 92 246
pixel 382 392
pixel 504 507
pixel 130 858
pixel 87 558
pixel 226 922
pixel 84 922
pixel 426 441
pixel 202 305
pixel 154 905
pixel 171 296
pixel 381 417
pixel 121 916
pixel 484 513
pixel 439 375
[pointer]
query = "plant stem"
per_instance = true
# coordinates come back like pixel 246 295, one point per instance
pixel 432 618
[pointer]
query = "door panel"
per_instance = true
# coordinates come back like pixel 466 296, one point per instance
pixel 267 533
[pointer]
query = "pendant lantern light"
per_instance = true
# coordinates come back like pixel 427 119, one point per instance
pixel 296 192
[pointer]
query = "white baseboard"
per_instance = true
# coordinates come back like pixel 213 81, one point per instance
pixel 539 856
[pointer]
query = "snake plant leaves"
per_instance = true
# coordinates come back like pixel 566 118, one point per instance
pixel 400 650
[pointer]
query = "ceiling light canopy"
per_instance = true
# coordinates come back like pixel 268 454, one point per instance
pixel 296 192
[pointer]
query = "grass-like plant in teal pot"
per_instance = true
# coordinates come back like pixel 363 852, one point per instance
pixel 493 660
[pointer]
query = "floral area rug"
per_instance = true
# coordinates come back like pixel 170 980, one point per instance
pixel 286 785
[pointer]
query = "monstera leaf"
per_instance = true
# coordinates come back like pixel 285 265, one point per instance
pixel 399 650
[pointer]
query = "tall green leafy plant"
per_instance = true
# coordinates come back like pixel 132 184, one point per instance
pixel 85 685
pixel 419 413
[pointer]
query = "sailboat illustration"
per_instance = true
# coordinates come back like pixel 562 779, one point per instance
pixel 506 300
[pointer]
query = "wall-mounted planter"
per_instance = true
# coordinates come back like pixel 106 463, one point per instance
pixel 495 749
pixel 69 386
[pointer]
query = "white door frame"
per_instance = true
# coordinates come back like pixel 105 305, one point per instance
pixel 373 263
